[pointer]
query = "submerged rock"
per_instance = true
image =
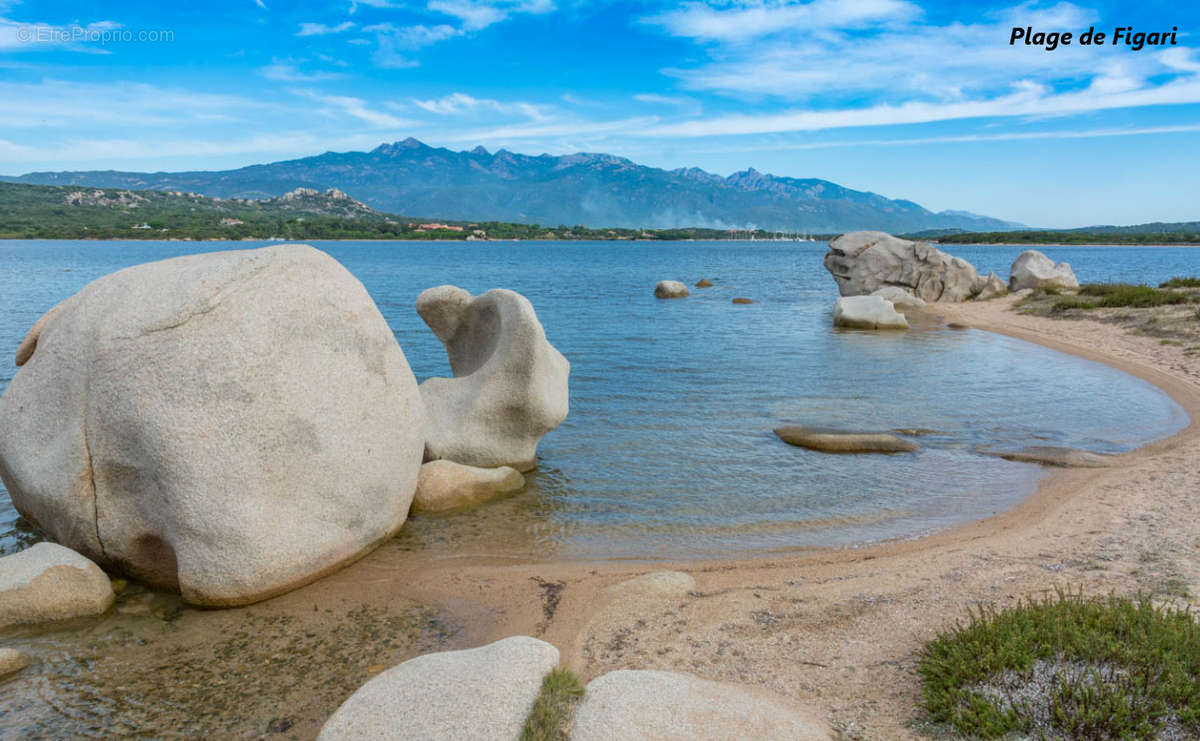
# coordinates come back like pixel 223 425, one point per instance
pixel 509 386
pixel 901 298
pixel 12 661
pixel 50 582
pixel 740 300
pixel 704 283
pixel 841 441
pixel 867 312
pixel 993 287
pixel 658 705
pixel 1054 455
pixel 670 289
pixel 479 693
pixel 863 262
pixel 445 485
pixel 231 425
pixel 1032 269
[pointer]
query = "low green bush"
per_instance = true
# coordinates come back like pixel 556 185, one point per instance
pixel 1068 667
pixel 1181 282
pixel 548 720
pixel 1127 294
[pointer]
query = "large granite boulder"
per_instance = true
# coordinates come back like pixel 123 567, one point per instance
pixel 509 386
pixel 863 262
pixel 1032 269
pixel 230 425
pixel 445 485
pixel 662 706
pixel 480 693
pixel 867 312
pixel 49 582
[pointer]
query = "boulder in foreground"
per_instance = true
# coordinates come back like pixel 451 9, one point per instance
pixel 867 312
pixel 480 693
pixel 12 661
pixel 230 425
pixel 1032 269
pixel 662 706
pixel 670 289
pixel 863 262
pixel 443 486
pixel 841 441
pixel 49 582
pixel 509 386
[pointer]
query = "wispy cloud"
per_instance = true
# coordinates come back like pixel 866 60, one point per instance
pixel 320 29
pixel 17 36
pixel 478 14
pixel 288 72
pixel 656 99
pixel 461 103
pixel 741 20
pixel 357 108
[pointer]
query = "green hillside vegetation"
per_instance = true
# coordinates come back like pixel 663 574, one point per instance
pixel 1187 232
pixel 73 212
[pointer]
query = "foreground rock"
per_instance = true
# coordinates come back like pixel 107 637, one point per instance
pixel 510 384
pixel 445 485
pixel 657 705
pixel 704 283
pixel 863 262
pixel 840 441
pixel 867 312
pixel 49 582
pixel 993 287
pixel 230 425
pixel 899 297
pixel 670 289
pixel 12 661
pixel 479 693
pixel 1053 455
pixel 1032 269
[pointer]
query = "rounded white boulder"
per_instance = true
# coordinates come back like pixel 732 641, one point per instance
pixel 49 582
pixel 1032 269
pixel 230 425
pixel 867 312
pixel 670 289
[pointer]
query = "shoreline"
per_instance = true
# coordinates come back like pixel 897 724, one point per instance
pixel 568 241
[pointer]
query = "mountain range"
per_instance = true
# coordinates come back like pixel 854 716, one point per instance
pixel 595 190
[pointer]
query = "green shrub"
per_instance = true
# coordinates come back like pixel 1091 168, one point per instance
pixel 548 720
pixel 1070 302
pixel 1126 294
pixel 1181 282
pixel 1068 667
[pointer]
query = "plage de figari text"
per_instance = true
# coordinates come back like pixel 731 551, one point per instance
pixel 1120 35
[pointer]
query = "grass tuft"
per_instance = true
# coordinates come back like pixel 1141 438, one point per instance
pixel 1126 294
pixel 1068 667
pixel 549 720
pixel 1181 282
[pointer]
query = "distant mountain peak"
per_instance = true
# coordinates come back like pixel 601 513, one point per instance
pixel 590 188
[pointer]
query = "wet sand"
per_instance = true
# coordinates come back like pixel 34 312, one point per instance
pixel 836 629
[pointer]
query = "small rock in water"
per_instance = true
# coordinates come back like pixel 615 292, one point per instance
pixel 50 582
pixel 1054 455
pixel 743 300
pixel 445 485
pixel 867 312
pixel 704 283
pixel 670 289
pixel 12 661
pixel 841 441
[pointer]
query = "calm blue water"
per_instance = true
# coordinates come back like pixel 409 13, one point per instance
pixel 668 449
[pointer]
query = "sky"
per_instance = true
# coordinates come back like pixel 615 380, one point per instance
pixel 926 101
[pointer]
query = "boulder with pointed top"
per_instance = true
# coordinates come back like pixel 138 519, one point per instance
pixel 863 262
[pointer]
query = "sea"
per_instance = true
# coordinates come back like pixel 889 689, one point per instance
pixel 668 450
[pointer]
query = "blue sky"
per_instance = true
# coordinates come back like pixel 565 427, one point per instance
pixel 919 100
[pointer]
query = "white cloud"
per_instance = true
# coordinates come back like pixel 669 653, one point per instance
pixel 655 99
pixel 744 20
pixel 19 36
pixel 286 72
pixel 356 108
pixel 478 14
pixel 260 4
pixel 320 29
pixel 461 103
pixel 384 4
pixel 413 37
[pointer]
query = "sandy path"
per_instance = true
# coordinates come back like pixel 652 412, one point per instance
pixel 840 629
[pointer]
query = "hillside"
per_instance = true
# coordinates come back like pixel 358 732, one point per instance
pixel 596 190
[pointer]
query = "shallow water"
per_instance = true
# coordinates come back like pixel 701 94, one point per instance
pixel 668 450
